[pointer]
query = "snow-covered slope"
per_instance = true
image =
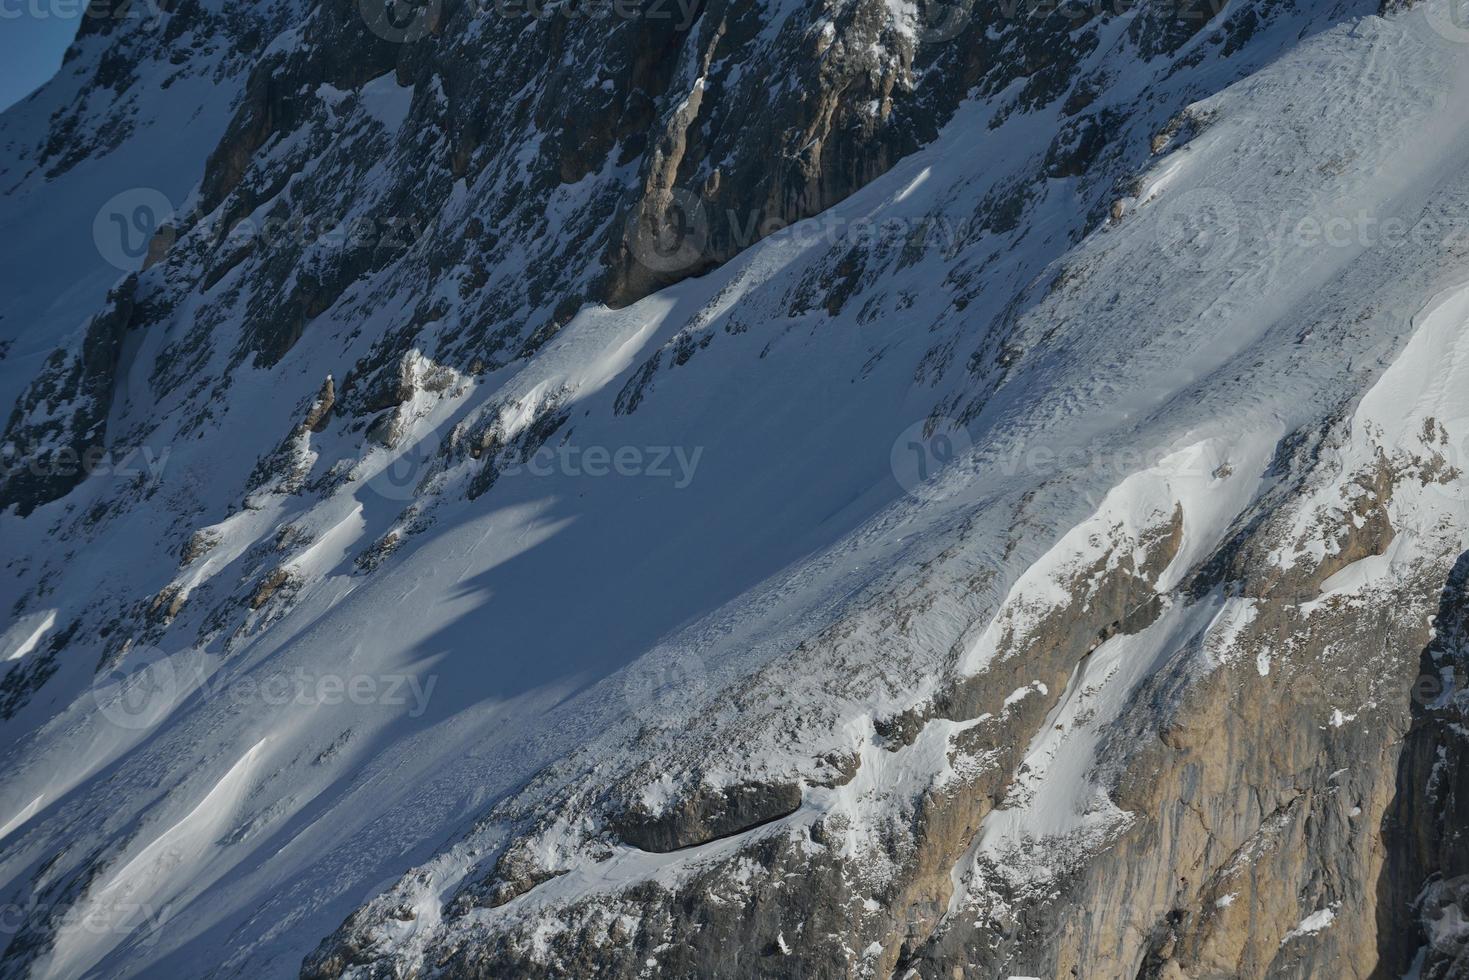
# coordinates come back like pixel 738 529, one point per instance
pixel 99 157
pixel 882 557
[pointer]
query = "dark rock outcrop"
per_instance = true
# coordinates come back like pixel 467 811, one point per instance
pixel 707 815
pixel 1423 892
pixel 57 432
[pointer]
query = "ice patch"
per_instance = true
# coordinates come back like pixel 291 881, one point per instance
pixel 1312 924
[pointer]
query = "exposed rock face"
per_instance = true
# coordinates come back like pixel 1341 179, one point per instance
pixel 707 816
pixel 1246 787
pixel 854 712
pixel 321 407
pixel 672 92
pixel 1242 840
pixel 734 134
pixel 1424 883
pixel 58 431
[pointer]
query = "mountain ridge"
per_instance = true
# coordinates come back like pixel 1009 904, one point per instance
pixel 760 619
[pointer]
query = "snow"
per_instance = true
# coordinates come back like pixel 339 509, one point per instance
pixel 25 813
pixel 56 273
pixel 1143 502
pixel 386 101
pixel 1057 797
pixel 531 618
pixel 1222 636
pixel 151 880
pixel 1357 576
pixel 26 633
pixel 1311 924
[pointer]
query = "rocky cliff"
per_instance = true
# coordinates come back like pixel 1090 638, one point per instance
pixel 713 489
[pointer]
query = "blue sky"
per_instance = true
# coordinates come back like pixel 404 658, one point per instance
pixel 33 35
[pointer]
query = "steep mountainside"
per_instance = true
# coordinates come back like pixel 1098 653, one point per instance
pixel 832 489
